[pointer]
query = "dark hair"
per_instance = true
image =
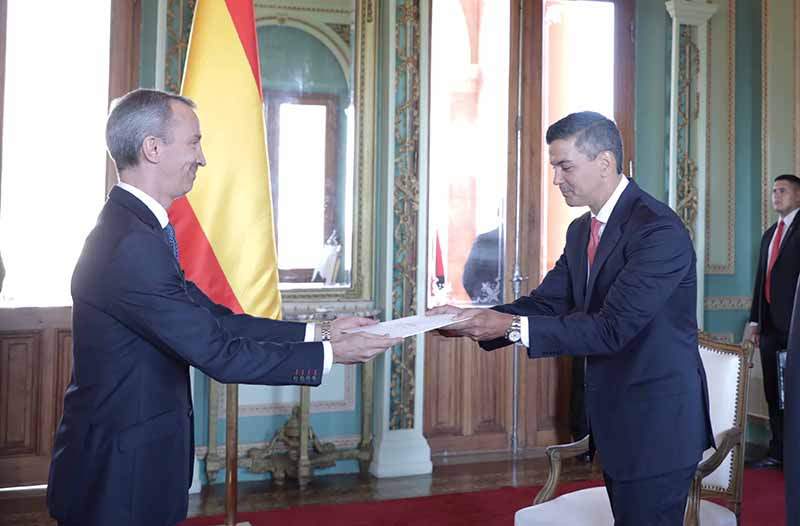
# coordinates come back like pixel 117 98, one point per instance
pixel 791 178
pixel 134 116
pixel 593 134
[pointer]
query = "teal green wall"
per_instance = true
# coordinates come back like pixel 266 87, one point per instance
pixel 147 46
pixel 748 171
pixel 652 102
pixel 653 27
pixel 287 52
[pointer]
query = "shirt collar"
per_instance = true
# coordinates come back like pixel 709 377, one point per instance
pixel 149 202
pixel 605 212
pixel 788 218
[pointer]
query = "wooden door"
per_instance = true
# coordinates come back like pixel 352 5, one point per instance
pixel 35 368
pixel 469 392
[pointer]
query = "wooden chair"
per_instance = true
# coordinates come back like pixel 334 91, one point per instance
pixel 719 475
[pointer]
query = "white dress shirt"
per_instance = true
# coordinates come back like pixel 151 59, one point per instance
pixel 603 215
pixel 163 219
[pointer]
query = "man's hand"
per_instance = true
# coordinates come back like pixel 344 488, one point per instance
pixel 350 322
pixel 357 347
pixel 483 324
pixel 754 333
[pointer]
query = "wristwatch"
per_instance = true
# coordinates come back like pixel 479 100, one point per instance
pixel 514 331
pixel 326 330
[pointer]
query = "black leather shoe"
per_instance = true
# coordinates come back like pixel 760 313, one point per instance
pixel 766 463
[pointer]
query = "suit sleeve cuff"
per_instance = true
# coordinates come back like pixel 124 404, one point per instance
pixel 328 363
pixel 327 349
pixel 524 329
pixel 310 332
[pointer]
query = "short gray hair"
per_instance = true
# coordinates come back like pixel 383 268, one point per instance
pixel 134 116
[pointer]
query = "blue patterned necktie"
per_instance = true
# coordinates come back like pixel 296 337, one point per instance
pixel 169 231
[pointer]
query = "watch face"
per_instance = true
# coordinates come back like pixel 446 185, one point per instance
pixel 514 335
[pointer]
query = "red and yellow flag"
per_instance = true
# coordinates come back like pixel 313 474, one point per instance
pixel 224 225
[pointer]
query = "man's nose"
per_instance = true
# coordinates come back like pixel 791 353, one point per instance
pixel 557 178
pixel 202 158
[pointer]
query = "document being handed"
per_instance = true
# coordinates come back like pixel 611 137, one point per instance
pixel 411 325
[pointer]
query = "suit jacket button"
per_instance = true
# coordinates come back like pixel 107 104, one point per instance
pixel 191 412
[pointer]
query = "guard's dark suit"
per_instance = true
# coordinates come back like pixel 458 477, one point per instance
pixel 774 317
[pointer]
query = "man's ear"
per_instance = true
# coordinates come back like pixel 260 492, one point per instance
pixel 151 149
pixel 606 160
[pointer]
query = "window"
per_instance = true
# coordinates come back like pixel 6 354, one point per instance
pixel 468 151
pixel 302 136
pixel 577 75
pixel 53 178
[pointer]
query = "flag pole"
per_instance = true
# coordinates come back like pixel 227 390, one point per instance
pixel 231 453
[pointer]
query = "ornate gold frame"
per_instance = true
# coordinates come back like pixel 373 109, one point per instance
pixel 302 303
pixel 729 267
pixel 364 89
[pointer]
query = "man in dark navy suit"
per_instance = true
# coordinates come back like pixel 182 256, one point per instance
pixel 791 467
pixel 624 295
pixel 123 452
pixel 773 295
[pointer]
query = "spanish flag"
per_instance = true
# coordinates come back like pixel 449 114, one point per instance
pixel 224 225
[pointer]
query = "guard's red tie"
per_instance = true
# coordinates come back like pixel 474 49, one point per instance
pixel 776 246
pixel 594 240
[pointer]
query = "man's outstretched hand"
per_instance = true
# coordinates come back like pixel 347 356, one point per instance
pixel 483 324
pixel 357 347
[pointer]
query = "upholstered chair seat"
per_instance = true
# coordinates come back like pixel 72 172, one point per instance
pixel 718 476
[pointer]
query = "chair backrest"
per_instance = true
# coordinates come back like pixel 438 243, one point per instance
pixel 728 371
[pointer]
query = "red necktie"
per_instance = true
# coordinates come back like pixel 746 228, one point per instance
pixel 776 246
pixel 594 240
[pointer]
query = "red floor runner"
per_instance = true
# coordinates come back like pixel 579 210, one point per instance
pixel 763 505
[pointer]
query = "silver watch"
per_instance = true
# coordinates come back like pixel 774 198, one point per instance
pixel 514 331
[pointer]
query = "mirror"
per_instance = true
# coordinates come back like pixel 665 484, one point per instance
pixel 318 75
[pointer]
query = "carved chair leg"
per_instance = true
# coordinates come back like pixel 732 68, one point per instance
pixel 691 517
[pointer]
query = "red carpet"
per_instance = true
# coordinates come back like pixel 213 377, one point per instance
pixel 763 505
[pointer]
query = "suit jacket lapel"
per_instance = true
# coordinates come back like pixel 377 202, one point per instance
pixel 789 232
pixel 140 210
pixel 579 256
pixel 612 234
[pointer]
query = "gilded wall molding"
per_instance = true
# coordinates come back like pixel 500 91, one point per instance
pixel 780 109
pixel 765 217
pixel 406 208
pixel 727 303
pixel 688 70
pixel 729 265
pixel 797 87
pixel 179 25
